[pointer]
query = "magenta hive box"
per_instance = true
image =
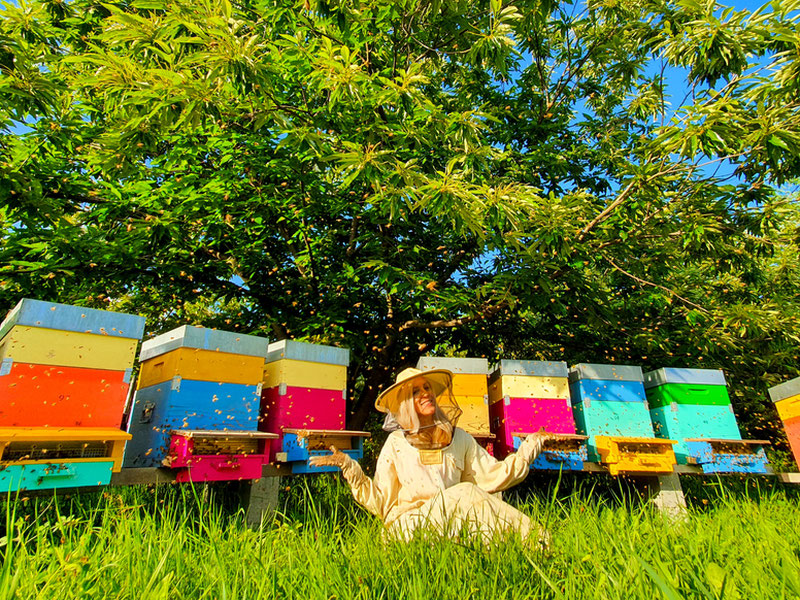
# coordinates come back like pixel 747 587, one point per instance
pixel 206 455
pixel 304 387
pixel 526 396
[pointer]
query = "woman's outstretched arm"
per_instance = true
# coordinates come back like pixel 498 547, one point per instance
pixel 377 495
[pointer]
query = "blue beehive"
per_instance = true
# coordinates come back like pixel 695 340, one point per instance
pixel 609 400
pixel 300 445
pixel 186 404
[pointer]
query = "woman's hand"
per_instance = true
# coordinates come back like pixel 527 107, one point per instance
pixel 337 459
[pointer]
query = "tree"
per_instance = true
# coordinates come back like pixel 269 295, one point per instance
pixel 503 179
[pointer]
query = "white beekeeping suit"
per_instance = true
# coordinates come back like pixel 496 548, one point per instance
pixel 432 475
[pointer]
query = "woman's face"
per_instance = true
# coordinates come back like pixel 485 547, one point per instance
pixel 424 398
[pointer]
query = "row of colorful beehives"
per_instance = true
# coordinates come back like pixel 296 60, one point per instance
pixel 212 405
pixel 215 405
pixel 633 422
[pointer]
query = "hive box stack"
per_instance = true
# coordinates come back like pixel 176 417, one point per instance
pixel 786 397
pixel 526 396
pixel 610 407
pixel 692 406
pixel 197 406
pixel 64 378
pixel 471 391
pixel 303 401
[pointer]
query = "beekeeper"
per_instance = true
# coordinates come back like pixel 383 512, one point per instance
pixel 432 475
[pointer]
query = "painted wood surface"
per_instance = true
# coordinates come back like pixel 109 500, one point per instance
pixel 202 365
pixel 513 415
pixel 591 371
pixel 792 427
pixel 297 373
pixel 520 386
pixel 300 408
pixel 41 346
pixel 635 455
pixel 470 384
pixel 54 475
pixel 687 421
pixel 567 454
pixel 730 457
pixel 51 315
pixel 303 351
pixel 530 368
pixel 662 395
pixel 222 468
pixel 606 390
pixel 474 417
pixel 787 389
pixel 789 408
pixel 203 338
pixel 43 395
pixel 159 409
pixel 684 377
pixel 298 449
pixel 21 445
pixel 477 366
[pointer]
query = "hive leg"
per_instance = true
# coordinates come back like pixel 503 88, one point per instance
pixel 666 493
pixel 260 500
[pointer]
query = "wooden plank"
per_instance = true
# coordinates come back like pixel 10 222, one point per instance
pixel 325 432
pixel 789 477
pixel 233 435
pixel 79 434
pixel 729 441
pixel 558 436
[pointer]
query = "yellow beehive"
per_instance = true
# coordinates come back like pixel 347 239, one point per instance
pixel 201 365
pixel 475 415
pixel 524 386
pixel 636 455
pixel 469 384
pixel 300 373
pixel 788 408
pixel 41 445
pixel 40 346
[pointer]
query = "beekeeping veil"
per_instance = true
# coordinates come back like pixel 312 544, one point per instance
pixel 398 403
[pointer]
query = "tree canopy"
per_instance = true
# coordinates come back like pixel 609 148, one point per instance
pixel 511 179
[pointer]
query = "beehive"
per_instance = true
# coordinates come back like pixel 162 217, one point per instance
pixel 610 407
pixel 208 455
pixel 471 391
pixel 566 453
pixel 693 404
pixel 199 380
pixel 304 387
pixel 529 396
pixel 65 366
pixel 37 458
pixel 298 446
pixel 786 397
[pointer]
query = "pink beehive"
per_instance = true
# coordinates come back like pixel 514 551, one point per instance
pixel 304 387
pixel 526 396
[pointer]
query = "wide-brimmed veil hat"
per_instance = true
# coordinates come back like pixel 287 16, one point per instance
pixel 397 401
pixel 441 380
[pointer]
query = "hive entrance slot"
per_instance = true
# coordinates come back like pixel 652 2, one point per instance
pixel 208 446
pixel 22 451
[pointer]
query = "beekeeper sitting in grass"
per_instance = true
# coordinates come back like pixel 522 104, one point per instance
pixel 430 474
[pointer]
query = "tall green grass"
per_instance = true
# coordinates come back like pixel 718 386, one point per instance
pixel 176 542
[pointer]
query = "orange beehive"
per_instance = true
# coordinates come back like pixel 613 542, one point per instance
pixel 51 396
